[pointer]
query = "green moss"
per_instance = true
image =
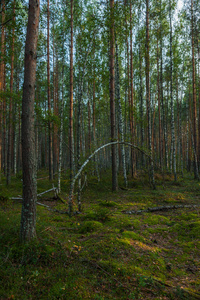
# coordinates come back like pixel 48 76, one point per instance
pixel 89 226
pixel 108 204
pixel 156 219
pixel 132 235
pixel 101 253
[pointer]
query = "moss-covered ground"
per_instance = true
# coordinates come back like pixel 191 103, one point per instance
pixel 104 253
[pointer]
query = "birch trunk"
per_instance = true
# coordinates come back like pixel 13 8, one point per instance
pixel 121 123
pixel 61 132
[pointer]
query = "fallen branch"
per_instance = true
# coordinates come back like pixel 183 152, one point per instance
pixel 38 195
pixel 159 208
pixel 52 209
pixel 53 189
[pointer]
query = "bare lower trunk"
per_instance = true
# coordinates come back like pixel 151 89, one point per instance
pixel 28 216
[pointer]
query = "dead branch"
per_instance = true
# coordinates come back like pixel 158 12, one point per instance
pixel 159 208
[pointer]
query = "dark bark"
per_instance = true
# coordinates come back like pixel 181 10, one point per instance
pixel 71 136
pixel 8 175
pixel 152 181
pixel 173 145
pixel 49 100
pixel 28 216
pixel 196 173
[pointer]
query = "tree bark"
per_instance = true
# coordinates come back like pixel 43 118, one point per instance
pixel 121 123
pixel 2 79
pixel 8 175
pixel 71 136
pixel 152 180
pixel 49 100
pixel 173 142
pixel 196 173
pixel 28 216
pixel 112 97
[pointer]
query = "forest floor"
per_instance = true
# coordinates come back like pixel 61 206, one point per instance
pixel 104 252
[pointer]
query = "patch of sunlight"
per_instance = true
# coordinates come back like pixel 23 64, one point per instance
pixel 180 197
pixel 144 247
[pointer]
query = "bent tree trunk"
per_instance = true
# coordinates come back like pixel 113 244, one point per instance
pixel 28 216
pixel 70 202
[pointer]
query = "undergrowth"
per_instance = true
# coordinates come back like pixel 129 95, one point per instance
pixel 104 253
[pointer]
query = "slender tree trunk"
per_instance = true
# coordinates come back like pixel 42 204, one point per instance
pixel 141 107
pixel 28 216
pixel 131 94
pixel 2 79
pixel 94 130
pixel 112 97
pixel 159 112
pixel 71 135
pixel 196 173
pixel 61 132
pixel 173 141
pixel 121 123
pixel 49 99
pixel 165 142
pixel 8 177
pixel 152 180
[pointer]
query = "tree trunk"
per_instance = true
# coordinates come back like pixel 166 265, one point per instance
pixel 28 216
pixel 49 100
pixel 152 180
pixel 8 175
pixel 196 173
pixel 94 130
pixel 71 135
pixel 61 132
pixel 173 141
pixel 2 64
pixel 131 94
pixel 121 123
pixel 112 97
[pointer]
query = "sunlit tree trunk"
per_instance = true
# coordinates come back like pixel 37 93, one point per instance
pixel 121 123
